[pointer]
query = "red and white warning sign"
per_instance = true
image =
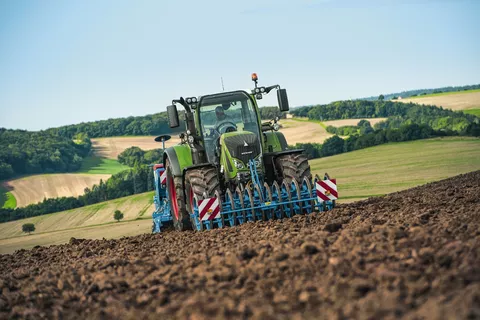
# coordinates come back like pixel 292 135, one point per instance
pixel 163 177
pixel 326 190
pixel 208 209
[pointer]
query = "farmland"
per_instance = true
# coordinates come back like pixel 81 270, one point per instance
pixel 111 147
pixel 463 100
pixel 299 131
pixel 33 189
pixel 360 174
pixel 92 222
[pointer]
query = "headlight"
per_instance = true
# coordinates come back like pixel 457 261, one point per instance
pixel 191 139
pixel 238 164
pixel 276 127
pixel 258 162
pixel 189 100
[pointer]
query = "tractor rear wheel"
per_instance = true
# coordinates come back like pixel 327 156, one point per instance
pixel 293 166
pixel 202 182
pixel 180 217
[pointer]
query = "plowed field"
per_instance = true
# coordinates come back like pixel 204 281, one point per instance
pixel 414 254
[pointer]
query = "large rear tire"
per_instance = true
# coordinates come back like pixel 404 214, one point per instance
pixel 180 216
pixel 293 166
pixel 200 183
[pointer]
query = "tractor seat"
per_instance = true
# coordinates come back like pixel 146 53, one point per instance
pixel 163 137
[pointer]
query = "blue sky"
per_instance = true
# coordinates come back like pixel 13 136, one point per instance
pixel 64 62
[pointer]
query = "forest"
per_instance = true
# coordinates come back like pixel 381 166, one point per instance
pixel 149 125
pixel 25 152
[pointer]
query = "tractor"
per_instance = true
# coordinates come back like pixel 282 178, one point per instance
pixel 231 168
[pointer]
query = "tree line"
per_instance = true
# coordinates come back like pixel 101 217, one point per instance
pixel 362 127
pixel 397 112
pixel 26 152
pixel 148 125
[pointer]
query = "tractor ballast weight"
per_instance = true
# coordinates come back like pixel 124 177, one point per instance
pixel 230 168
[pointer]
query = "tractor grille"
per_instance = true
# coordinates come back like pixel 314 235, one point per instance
pixel 243 146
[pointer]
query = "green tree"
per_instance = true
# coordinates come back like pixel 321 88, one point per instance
pixel 28 227
pixel 381 97
pixel 118 215
pixel 331 146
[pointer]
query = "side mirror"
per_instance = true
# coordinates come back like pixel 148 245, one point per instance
pixel 172 114
pixel 282 100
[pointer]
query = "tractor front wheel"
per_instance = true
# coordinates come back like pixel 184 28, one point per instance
pixel 180 217
pixel 293 167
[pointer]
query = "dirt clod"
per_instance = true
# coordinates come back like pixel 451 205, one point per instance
pixel 412 254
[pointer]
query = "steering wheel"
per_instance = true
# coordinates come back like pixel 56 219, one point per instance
pixel 228 125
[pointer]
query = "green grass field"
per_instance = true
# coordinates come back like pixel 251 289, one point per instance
pixel 360 174
pixel 444 94
pixel 97 165
pixel 7 200
pixel 397 166
pixel 475 112
pixel 94 221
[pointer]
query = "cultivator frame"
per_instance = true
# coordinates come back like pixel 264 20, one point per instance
pixel 260 201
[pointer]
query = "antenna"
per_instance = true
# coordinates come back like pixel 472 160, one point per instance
pixel 223 88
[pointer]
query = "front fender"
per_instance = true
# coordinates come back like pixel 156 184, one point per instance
pixel 180 157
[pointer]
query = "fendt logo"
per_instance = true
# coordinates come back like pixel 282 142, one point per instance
pixel 245 144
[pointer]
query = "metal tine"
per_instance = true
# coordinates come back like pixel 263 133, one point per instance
pixel 309 203
pixel 277 191
pixel 287 197
pixel 249 204
pixel 258 200
pixel 268 197
pixel 240 205
pixel 232 217
pixel 295 195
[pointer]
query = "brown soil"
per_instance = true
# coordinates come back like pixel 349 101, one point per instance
pixel 414 254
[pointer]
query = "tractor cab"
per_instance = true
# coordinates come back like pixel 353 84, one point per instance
pixel 229 119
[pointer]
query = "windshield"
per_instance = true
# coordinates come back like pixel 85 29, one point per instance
pixel 223 113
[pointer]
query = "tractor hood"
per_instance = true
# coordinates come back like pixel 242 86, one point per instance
pixel 242 146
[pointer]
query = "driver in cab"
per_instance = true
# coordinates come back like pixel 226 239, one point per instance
pixel 222 118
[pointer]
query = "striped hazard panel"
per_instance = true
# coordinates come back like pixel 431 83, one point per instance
pixel 208 209
pixel 326 190
pixel 163 177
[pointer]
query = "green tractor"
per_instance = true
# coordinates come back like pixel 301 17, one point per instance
pixel 230 168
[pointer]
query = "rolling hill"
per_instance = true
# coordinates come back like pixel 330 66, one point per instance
pixel 360 174
pixel 463 100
